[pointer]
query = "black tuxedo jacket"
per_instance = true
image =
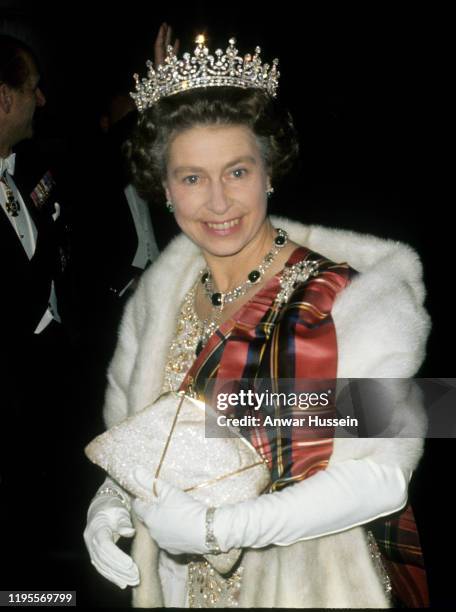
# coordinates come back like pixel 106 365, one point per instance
pixel 104 234
pixel 104 238
pixel 26 283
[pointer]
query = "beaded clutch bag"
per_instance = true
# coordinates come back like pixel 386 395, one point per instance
pixel 172 438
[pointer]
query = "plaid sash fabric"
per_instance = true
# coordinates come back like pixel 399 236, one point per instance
pixel 298 342
pixel 398 540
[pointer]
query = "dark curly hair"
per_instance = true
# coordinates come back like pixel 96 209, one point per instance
pixel 147 149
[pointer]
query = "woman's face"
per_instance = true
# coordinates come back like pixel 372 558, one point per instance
pixel 217 182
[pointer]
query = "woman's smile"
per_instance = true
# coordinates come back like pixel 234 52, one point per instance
pixel 223 228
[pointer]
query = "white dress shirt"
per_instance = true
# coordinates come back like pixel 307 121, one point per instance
pixel 147 246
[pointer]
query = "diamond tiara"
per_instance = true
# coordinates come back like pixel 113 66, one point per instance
pixel 204 70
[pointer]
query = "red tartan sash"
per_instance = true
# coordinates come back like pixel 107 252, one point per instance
pixel 398 540
pixel 298 341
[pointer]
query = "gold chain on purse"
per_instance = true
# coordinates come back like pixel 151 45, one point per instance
pixel 182 395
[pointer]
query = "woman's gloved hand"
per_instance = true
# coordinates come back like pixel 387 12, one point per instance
pixel 175 520
pixel 343 496
pixel 107 520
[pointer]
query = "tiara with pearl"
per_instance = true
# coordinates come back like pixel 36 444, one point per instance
pixel 204 70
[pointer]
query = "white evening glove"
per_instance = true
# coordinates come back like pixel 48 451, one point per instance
pixel 175 520
pixel 108 518
pixel 344 495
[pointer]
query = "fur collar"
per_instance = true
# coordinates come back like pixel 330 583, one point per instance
pixel 380 321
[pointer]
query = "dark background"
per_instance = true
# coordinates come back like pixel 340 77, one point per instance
pixel 355 80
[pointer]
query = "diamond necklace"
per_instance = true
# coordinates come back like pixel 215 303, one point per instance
pixel 220 299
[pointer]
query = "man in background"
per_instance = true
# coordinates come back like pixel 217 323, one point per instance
pixel 113 238
pixel 115 229
pixel 33 344
pixel 30 258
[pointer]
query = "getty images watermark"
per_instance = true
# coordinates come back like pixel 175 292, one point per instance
pixel 319 408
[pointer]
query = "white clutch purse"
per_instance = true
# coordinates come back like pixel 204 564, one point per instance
pixel 169 439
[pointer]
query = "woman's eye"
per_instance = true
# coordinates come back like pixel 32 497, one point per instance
pixel 192 179
pixel 239 172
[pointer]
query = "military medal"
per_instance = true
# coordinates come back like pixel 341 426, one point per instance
pixel 41 192
pixel 12 205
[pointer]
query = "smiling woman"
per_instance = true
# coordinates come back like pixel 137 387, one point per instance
pixel 243 295
pixel 214 153
pixel 217 182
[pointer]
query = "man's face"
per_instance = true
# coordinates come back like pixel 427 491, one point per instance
pixel 25 101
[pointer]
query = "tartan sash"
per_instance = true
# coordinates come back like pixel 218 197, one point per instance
pixel 298 341
pixel 399 543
